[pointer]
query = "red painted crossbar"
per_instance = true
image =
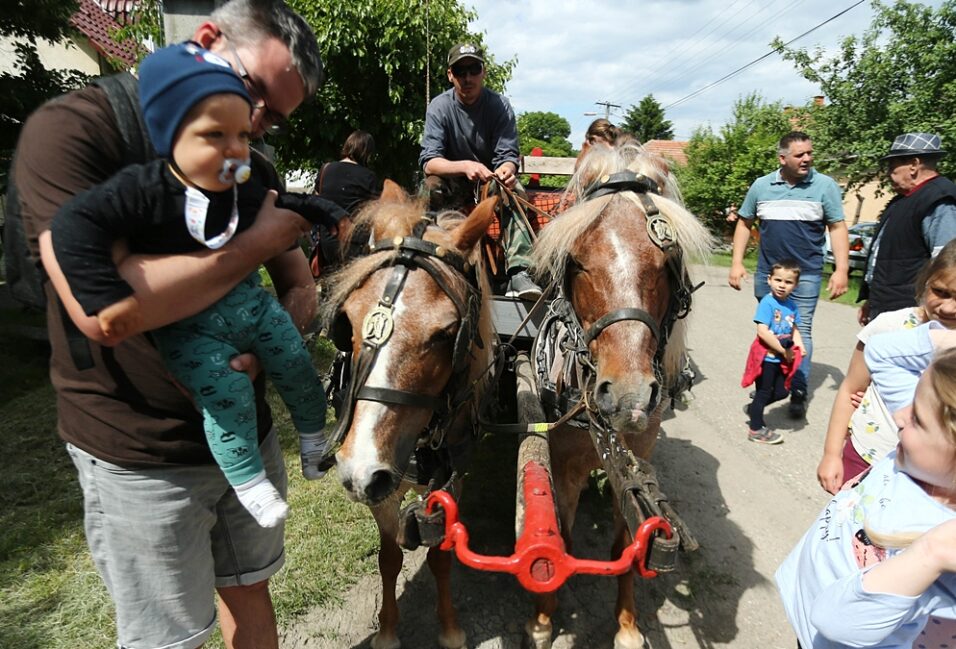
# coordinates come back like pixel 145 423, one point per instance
pixel 540 562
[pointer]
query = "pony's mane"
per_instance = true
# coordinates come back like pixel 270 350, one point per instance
pixel 386 219
pixel 551 252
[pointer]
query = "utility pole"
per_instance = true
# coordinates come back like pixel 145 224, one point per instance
pixel 607 108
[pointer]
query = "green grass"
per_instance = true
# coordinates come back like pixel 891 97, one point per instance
pixel 750 263
pixel 50 593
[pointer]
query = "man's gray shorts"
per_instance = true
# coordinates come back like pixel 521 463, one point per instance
pixel 164 538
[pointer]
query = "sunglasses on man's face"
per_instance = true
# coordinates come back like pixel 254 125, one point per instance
pixel 461 70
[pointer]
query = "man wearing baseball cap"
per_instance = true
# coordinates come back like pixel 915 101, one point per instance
pixel 915 225
pixel 471 137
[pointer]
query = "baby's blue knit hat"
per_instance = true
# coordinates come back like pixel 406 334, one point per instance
pixel 176 78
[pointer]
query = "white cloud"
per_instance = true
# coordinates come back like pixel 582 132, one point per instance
pixel 572 53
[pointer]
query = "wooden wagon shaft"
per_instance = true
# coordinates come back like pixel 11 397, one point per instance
pixel 532 446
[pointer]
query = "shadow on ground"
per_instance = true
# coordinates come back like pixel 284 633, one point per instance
pixel 694 606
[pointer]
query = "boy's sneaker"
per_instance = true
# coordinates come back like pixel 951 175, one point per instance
pixel 523 287
pixel 798 404
pixel 765 436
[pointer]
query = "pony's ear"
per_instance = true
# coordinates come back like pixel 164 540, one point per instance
pixel 469 233
pixel 392 193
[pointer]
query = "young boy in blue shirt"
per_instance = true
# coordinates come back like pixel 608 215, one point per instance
pixel 777 319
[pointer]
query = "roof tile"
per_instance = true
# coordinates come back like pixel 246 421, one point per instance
pixel 97 26
pixel 672 149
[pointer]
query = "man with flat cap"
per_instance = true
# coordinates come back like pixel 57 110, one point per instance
pixel 915 225
pixel 471 137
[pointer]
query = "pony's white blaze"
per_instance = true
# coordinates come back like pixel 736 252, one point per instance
pixel 624 266
pixel 369 414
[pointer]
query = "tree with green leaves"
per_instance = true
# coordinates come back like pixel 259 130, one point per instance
pixel 646 121
pixel 549 131
pixel 376 54
pixel 900 76
pixel 721 166
pixel 30 83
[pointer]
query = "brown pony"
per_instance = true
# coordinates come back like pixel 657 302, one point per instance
pixel 414 368
pixel 602 252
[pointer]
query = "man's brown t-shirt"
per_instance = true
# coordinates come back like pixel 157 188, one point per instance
pixel 125 409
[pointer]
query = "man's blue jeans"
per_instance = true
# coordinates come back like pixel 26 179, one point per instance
pixel 805 295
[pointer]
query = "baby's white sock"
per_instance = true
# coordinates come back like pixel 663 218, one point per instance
pixel 313 448
pixel 260 498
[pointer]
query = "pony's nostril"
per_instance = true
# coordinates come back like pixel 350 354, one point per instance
pixel 655 396
pixel 380 486
pixel 602 394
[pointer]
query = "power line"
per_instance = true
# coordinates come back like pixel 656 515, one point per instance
pixel 761 58
pixel 687 44
pixel 679 73
pixel 684 58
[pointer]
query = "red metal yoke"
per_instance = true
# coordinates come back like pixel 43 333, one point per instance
pixel 540 562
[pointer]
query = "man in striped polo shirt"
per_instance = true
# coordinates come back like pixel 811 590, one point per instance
pixel 794 204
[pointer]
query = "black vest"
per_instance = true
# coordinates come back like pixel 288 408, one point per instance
pixel 902 249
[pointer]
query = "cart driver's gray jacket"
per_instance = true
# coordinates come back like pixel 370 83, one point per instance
pixel 484 132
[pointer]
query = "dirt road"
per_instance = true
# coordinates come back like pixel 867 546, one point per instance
pixel 747 504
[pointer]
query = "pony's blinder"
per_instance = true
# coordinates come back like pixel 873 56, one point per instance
pixel 340 332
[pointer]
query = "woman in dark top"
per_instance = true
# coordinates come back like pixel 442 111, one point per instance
pixel 348 183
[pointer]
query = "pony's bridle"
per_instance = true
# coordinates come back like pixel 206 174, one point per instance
pixel 413 252
pixel 662 234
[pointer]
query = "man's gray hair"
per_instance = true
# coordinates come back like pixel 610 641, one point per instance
pixel 247 22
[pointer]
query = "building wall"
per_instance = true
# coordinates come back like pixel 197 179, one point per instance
pixel 65 55
pixel 863 204
pixel 182 17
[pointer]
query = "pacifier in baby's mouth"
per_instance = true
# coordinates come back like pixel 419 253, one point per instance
pixel 235 169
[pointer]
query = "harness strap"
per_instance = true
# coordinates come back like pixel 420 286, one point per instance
pixel 623 181
pixel 399 397
pixel 412 244
pixel 534 427
pixel 621 315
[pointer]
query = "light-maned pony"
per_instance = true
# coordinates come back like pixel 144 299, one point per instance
pixel 602 253
pixel 415 359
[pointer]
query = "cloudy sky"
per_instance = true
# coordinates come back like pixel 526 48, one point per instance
pixel 574 53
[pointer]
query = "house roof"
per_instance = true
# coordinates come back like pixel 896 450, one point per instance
pixel 672 149
pixel 119 10
pixel 96 25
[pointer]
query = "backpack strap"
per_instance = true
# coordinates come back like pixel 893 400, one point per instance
pixel 122 91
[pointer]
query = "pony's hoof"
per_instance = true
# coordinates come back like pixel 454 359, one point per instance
pixel 537 635
pixel 629 639
pixel 453 640
pixel 381 641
